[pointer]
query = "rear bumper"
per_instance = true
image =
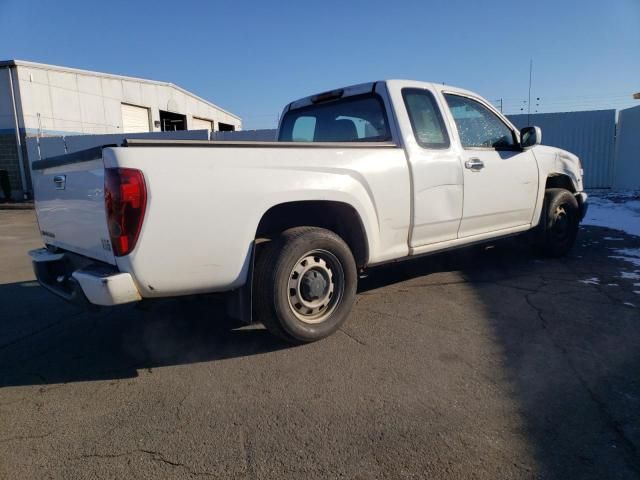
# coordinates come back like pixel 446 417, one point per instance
pixel 81 280
pixel 583 203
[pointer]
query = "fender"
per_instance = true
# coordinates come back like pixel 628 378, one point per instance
pixel 554 163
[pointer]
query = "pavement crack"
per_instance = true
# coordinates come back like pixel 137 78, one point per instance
pixel 25 437
pixel 179 407
pixel 105 455
pixel 160 457
pixel 248 454
pixel 155 455
pixel 353 337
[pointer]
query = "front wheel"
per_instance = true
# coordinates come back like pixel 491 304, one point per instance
pixel 559 223
pixel 305 284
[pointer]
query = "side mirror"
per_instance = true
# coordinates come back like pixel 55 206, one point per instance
pixel 530 137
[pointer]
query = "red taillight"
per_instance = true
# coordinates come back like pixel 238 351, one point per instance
pixel 125 198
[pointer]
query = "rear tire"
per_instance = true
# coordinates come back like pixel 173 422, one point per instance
pixel 559 221
pixel 305 284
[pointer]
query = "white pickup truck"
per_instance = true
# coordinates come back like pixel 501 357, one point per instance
pixel 359 176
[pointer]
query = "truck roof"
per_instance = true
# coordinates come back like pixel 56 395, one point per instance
pixel 361 88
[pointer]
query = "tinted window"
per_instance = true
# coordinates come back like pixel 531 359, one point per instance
pixel 426 120
pixel 477 125
pixel 353 119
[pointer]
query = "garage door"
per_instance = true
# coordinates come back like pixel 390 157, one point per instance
pixel 134 119
pixel 201 124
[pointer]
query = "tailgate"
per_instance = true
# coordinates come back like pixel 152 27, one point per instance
pixel 69 202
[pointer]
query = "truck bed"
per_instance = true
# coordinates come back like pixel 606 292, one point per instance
pixel 205 199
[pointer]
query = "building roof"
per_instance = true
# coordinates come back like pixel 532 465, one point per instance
pixel 45 66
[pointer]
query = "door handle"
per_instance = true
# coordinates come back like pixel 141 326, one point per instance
pixel 60 181
pixel 474 164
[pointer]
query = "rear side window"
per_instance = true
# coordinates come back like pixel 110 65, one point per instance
pixel 360 118
pixel 426 120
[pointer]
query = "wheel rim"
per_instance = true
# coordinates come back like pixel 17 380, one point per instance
pixel 561 224
pixel 316 286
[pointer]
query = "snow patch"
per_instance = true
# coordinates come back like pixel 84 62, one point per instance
pixel 613 239
pixel 618 211
pixel 591 281
pixel 629 255
pixel 631 260
pixel 630 275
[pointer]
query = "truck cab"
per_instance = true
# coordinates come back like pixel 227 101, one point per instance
pixel 471 177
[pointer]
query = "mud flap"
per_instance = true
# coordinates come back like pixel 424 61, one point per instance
pixel 239 301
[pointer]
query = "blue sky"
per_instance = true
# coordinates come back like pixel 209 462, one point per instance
pixel 253 57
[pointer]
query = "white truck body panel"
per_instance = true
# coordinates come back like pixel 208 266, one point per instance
pixel 437 177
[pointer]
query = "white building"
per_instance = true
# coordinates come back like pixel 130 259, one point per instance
pixel 46 100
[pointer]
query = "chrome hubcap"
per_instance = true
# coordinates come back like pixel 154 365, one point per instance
pixel 316 286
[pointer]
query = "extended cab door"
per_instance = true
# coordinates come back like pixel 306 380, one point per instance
pixel 436 173
pixel 500 179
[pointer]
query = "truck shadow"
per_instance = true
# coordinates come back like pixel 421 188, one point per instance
pixel 46 341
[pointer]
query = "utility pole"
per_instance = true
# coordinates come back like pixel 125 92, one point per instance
pixel 501 105
pixel 529 102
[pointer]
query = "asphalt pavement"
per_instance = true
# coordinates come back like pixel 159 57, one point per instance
pixel 481 363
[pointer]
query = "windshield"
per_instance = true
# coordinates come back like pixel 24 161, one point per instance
pixel 355 119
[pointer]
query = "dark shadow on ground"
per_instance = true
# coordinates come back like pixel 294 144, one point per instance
pixel 44 340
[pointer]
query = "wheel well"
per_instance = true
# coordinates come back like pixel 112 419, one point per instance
pixel 340 218
pixel 560 181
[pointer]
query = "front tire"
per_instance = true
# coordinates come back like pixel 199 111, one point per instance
pixel 305 284
pixel 559 223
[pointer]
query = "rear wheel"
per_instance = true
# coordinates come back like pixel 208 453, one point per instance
pixel 305 284
pixel 559 223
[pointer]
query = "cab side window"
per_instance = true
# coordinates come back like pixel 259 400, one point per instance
pixel 478 126
pixel 426 120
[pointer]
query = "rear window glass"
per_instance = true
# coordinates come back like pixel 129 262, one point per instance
pixel 354 119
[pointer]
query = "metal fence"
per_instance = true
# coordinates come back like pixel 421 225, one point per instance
pixel 626 173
